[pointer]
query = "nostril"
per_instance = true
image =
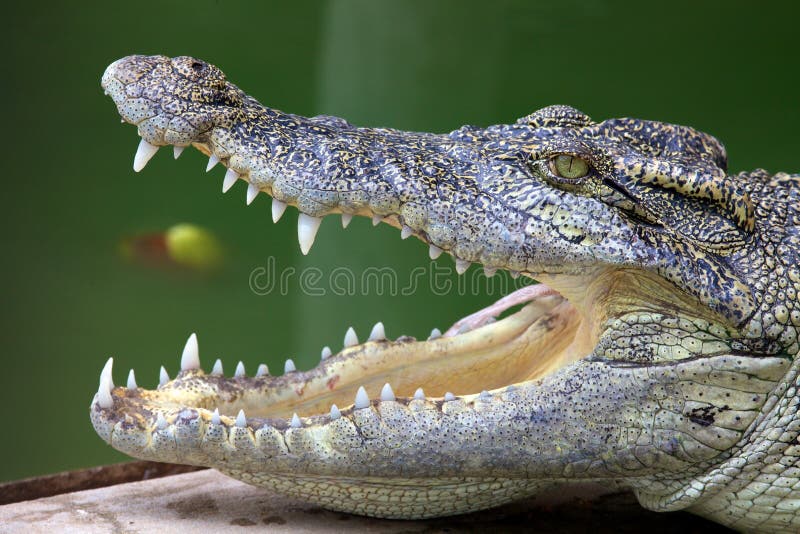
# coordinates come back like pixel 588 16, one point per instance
pixel 197 66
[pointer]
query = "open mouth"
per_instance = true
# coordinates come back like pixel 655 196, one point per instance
pixel 478 356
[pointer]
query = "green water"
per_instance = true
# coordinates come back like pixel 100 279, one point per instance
pixel 70 195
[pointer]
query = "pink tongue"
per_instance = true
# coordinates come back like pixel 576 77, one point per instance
pixel 490 313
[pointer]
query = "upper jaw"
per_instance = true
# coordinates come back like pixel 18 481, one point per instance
pixel 435 187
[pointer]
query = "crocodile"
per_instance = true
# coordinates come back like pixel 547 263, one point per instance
pixel 658 354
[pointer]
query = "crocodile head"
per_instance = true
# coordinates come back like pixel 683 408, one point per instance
pixel 658 355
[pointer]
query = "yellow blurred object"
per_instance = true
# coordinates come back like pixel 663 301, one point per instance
pixel 193 247
pixel 183 245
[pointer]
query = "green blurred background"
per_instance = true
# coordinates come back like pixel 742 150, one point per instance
pixel 69 300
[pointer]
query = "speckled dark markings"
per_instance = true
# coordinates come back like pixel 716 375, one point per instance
pixel 681 323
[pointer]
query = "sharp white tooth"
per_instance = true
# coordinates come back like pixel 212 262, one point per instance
pixel 406 232
pixel 239 370
pixel 163 377
pixel 362 399
pixel 434 252
pixel 307 227
pixel 177 151
pixel 289 366
pixel 326 353
pixel 252 193
pixel 488 272
pixel 215 417
pixel 230 179
pixel 106 385
pixel 296 422
pixel 419 394
pixel 143 155
pixel 462 266
pixel 241 420
pixel 435 334
pixel 335 413
pixel 514 274
pixel 217 369
pixel 485 395
pixel 278 208
pixel 262 370
pixel 161 423
pixel 132 380
pixel 386 393
pixel 350 337
pixel 449 396
pixel 212 161
pixel 376 219
pixel 346 218
pixel 190 359
pixel 378 332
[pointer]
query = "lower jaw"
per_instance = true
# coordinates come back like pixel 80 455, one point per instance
pixel 535 341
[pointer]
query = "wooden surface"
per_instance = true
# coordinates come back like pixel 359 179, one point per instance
pixel 206 501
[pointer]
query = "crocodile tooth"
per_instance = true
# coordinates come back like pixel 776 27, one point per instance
pixel 143 155
pixel 262 370
pixel 488 272
pixel 161 423
pixel 376 219
pixel 217 369
pixel 485 395
pixel 350 337
pixel 449 396
pixel 435 334
pixel 346 218
pixel 278 208
pixel 215 417
pixel 212 161
pixel 307 227
pixel 230 179
pixel 289 366
pixel 378 332
pixel 239 370
pixel 190 359
pixel 326 353
pixel 462 266
pixel 252 193
pixel 132 380
pixel 419 394
pixel 434 252
pixel 106 385
pixel 335 413
pixel 386 393
pixel 514 274
pixel 362 399
pixel 241 420
pixel 296 421
pixel 163 376
pixel 406 232
pixel 177 151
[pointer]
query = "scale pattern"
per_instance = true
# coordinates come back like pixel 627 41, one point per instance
pixel 685 276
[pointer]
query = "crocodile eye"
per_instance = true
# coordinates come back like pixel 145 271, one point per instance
pixel 569 167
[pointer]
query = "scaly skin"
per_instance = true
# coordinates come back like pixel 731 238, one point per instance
pixel 663 359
